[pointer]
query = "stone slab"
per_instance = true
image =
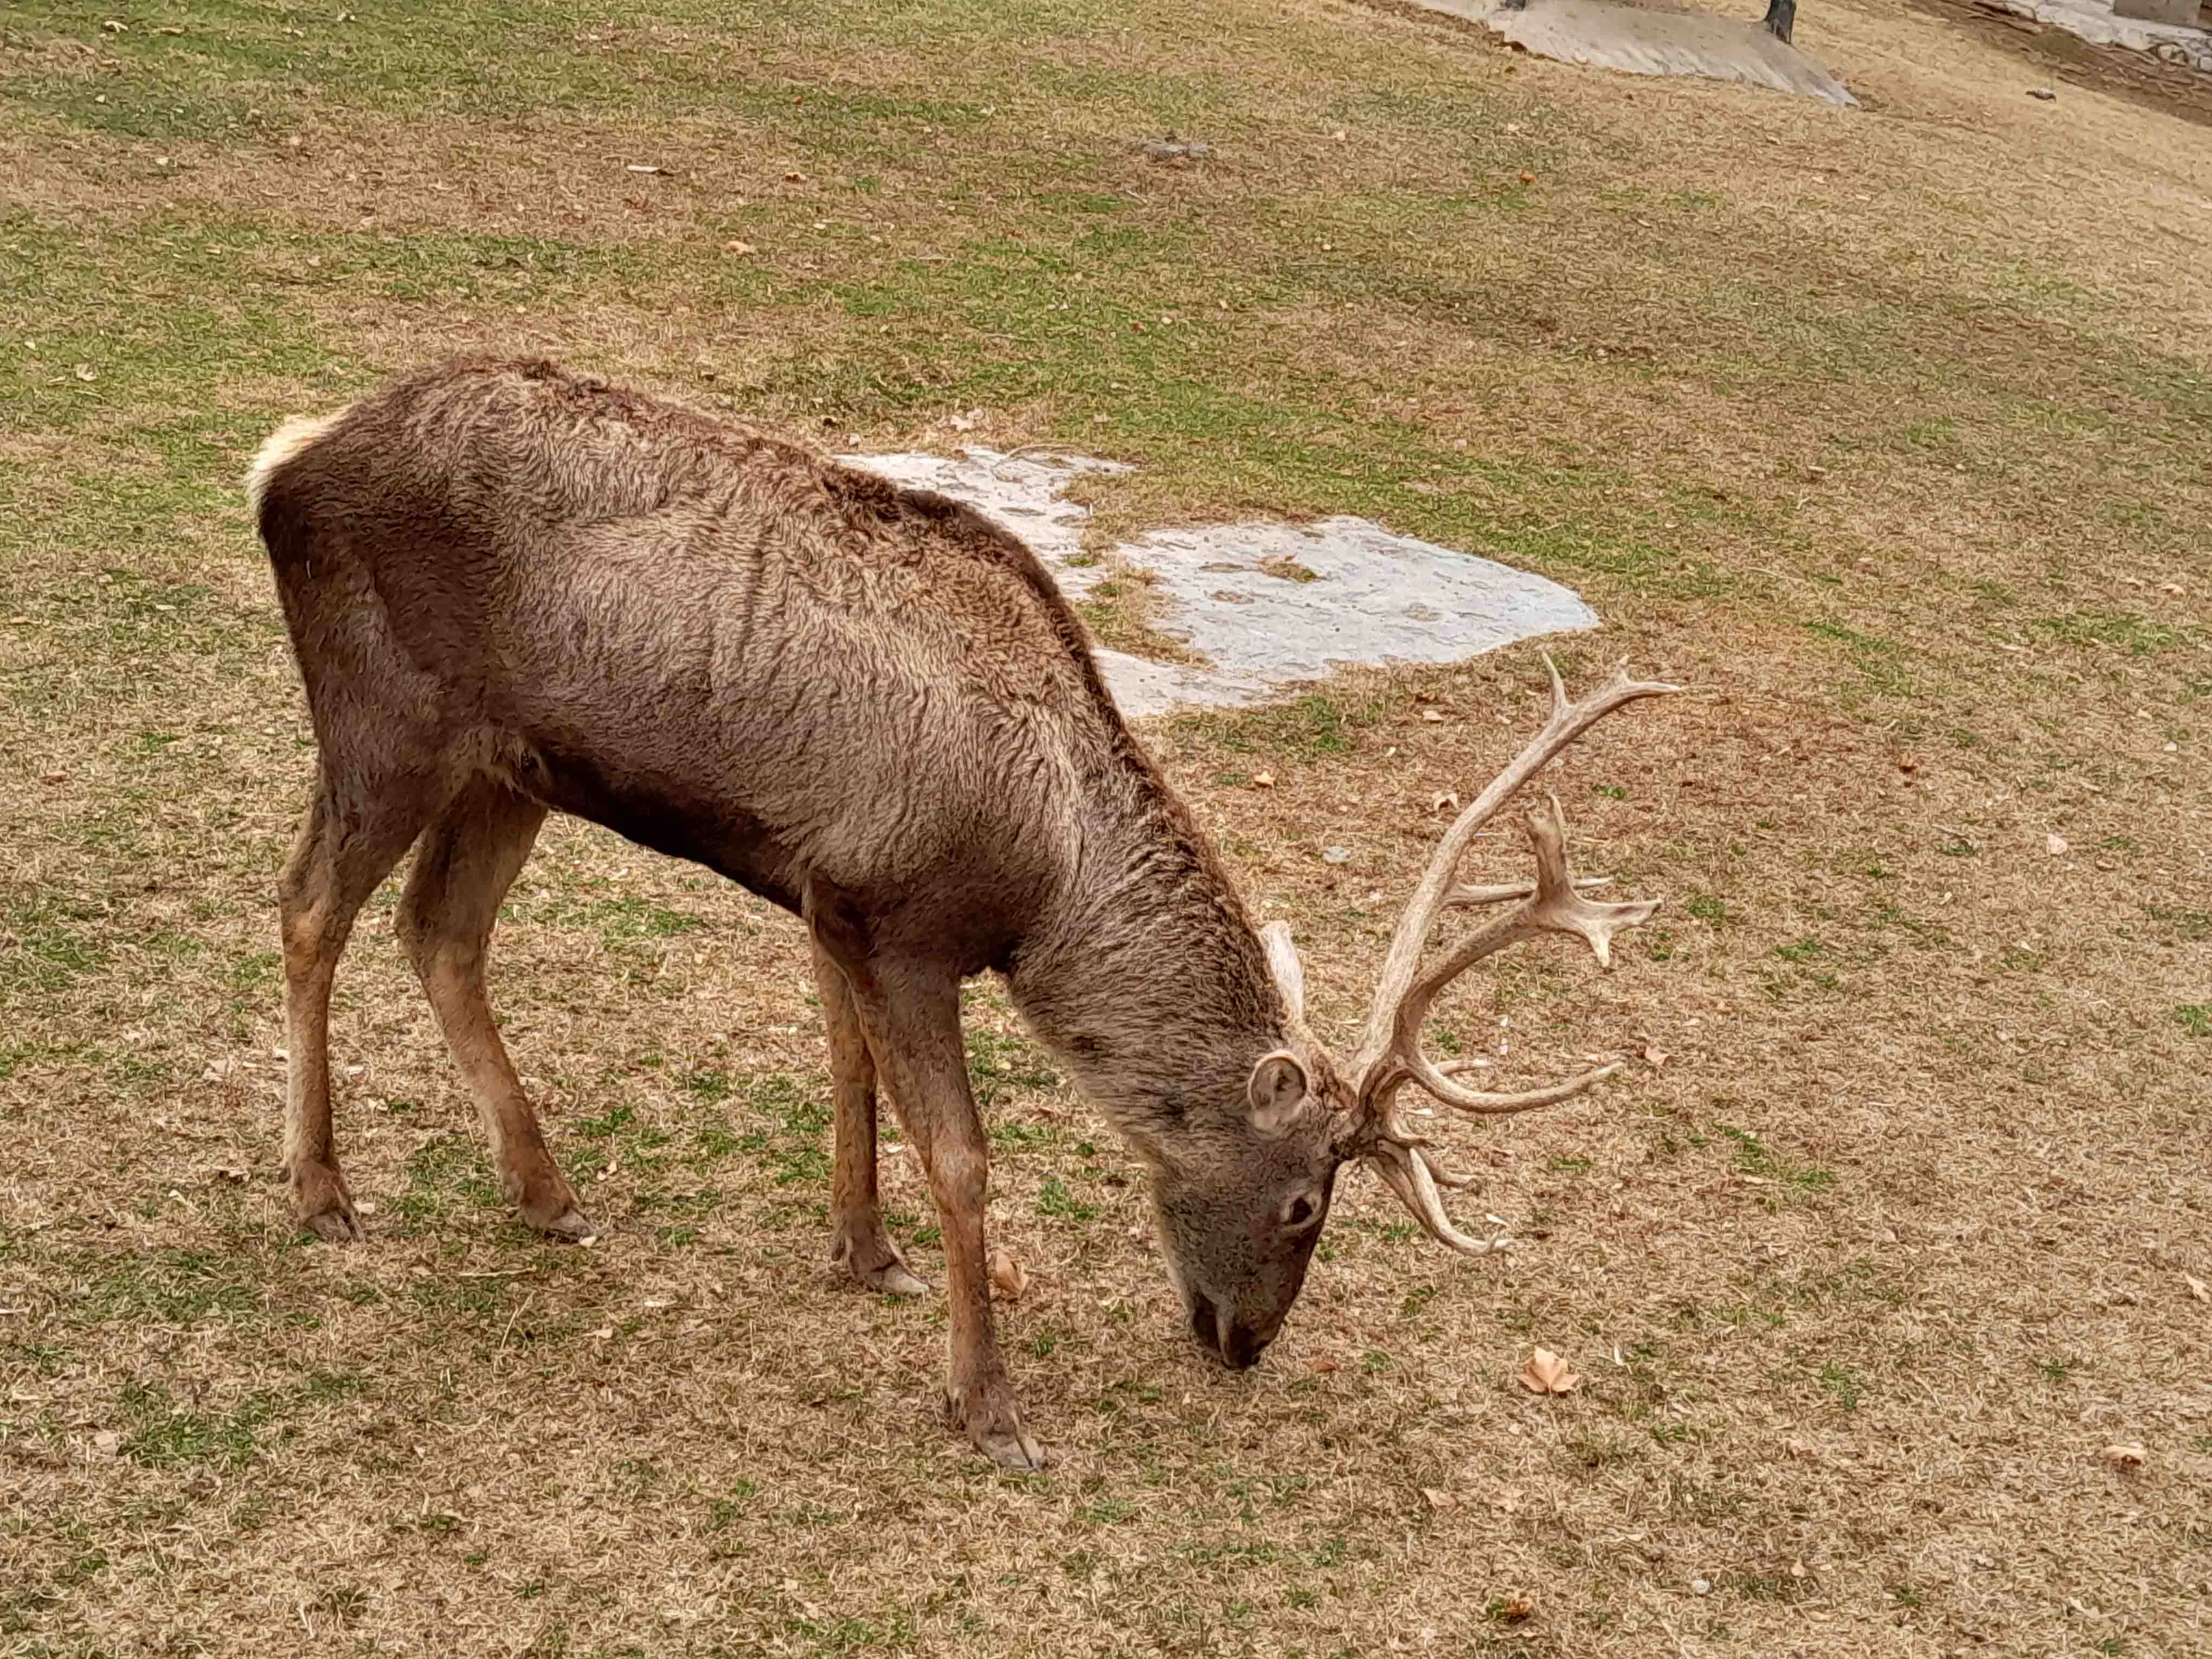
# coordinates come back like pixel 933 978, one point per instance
pixel 1267 604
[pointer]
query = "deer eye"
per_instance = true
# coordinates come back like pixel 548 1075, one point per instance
pixel 1300 1211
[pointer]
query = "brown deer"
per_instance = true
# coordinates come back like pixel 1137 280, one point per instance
pixel 514 590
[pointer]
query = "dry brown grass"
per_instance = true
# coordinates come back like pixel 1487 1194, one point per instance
pixel 1897 453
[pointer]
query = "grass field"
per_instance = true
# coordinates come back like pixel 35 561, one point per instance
pixel 1889 430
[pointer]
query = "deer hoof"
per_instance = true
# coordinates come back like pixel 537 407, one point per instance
pixel 894 1280
pixel 322 1205
pixel 1017 1451
pixel 875 1265
pixel 335 1227
pixel 996 1429
pixel 569 1223
pixel 550 1204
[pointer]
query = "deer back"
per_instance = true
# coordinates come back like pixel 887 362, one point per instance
pixel 718 644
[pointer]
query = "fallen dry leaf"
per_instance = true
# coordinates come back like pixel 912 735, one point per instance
pixel 1527 178
pixel 1448 798
pixel 106 1441
pixel 736 246
pixel 1263 780
pixel 2056 845
pixel 1008 1277
pixel 1322 1364
pixel 2129 1456
pixel 1546 1373
pixel 1516 1609
pixel 1433 715
pixel 84 372
pixel 1439 1500
pixel 1656 1058
pixel 2197 1288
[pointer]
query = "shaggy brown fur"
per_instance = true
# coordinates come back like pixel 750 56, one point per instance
pixel 512 589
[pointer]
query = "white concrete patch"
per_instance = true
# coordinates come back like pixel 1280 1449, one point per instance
pixel 1265 604
pixel 2096 22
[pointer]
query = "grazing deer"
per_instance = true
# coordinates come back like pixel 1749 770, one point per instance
pixel 514 590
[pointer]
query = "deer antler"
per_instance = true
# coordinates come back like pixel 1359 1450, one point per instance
pixel 1389 1054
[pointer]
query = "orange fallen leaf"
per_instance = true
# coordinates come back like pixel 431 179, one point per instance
pixel 1516 1609
pixel 1527 178
pixel 1546 1373
pixel 1322 1364
pixel 1008 1277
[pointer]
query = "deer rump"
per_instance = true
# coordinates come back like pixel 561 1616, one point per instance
pixel 714 643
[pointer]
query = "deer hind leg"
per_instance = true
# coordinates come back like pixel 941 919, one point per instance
pixel 857 1241
pixel 348 843
pixel 467 861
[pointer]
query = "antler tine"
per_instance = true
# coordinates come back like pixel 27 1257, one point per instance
pixel 1559 703
pixel 1407 1172
pixel 1288 973
pixel 1468 897
pixel 1437 1079
pixel 1554 907
pixel 1400 966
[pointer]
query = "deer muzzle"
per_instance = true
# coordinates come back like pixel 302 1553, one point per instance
pixel 1229 1339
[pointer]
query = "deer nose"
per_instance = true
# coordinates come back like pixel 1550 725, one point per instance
pixel 1241 1346
pixel 1235 1344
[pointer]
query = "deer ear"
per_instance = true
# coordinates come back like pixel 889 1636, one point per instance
pixel 1277 1091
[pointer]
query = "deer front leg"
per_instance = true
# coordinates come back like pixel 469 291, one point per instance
pixel 911 1016
pixel 858 1242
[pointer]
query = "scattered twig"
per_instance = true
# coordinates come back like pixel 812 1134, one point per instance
pixel 523 1308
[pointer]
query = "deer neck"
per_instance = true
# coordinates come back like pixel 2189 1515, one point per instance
pixel 1147 980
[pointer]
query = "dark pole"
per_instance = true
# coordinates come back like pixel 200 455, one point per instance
pixel 1781 18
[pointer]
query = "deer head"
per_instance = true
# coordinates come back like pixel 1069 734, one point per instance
pixel 1240 1264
